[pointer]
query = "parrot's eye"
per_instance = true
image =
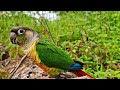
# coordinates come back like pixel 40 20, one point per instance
pixel 21 31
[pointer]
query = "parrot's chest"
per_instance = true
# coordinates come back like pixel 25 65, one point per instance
pixel 31 53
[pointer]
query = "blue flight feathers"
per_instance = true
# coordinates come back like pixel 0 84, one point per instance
pixel 76 66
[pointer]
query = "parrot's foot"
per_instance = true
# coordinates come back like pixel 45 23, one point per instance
pixel 82 77
pixel 64 76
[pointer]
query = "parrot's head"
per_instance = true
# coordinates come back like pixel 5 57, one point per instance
pixel 23 36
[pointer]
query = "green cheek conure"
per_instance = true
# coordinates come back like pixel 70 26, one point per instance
pixel 51 58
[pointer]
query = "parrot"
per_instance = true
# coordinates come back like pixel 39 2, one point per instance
pixel 48 56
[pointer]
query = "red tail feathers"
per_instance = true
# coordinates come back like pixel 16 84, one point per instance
pixel 80 73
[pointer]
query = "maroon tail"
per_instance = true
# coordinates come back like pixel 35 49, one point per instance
pixel 80 73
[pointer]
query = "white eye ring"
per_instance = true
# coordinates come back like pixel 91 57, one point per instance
pixel 21 31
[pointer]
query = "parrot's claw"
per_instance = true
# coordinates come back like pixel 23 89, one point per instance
pixel 64 76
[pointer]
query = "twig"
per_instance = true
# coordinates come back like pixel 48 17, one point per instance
pixel 13 72
pixel 47 28
pixel 44 24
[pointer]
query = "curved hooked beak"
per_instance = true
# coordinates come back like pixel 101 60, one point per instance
pixel 13 37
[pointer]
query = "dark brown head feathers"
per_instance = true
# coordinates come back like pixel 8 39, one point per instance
pixel 15 29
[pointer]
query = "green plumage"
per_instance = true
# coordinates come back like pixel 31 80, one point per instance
pixel 53 56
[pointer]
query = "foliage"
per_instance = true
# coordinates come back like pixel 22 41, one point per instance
pixel 92 37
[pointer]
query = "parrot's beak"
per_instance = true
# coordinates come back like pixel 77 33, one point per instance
pixel 13 37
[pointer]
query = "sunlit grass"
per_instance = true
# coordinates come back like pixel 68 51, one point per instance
pixel 90 37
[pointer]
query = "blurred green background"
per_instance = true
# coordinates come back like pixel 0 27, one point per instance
pixel 92 37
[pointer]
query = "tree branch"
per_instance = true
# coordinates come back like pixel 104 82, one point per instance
pixel 13 72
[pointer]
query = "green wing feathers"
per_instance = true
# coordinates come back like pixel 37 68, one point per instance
pixel 53 56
